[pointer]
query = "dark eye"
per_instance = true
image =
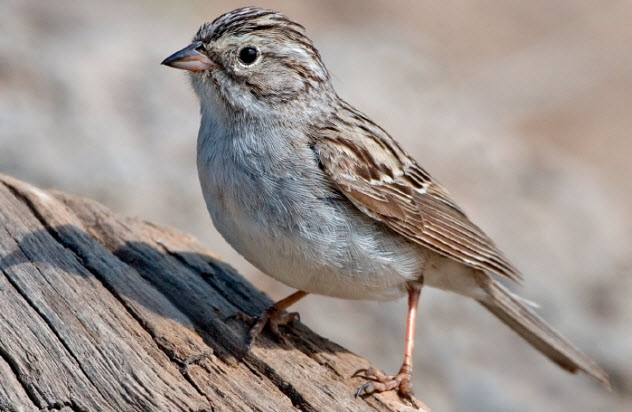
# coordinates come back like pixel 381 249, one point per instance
pixel 248 55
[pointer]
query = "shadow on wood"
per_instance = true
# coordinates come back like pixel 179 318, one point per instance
pixel 102 312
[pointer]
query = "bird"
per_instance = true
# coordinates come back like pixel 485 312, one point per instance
pixel 315 194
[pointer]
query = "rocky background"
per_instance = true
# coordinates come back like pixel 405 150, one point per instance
pixel 522 109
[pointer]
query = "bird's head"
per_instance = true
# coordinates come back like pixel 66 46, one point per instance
pixel 255 62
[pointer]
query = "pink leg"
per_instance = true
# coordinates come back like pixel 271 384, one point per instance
pixel 378 381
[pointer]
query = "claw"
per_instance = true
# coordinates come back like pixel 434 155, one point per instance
pixel 295 317
pixel 363 371
pixel 248 342
pixel 369 373
pixel 365 389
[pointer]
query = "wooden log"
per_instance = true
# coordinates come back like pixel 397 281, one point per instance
pixel 109 313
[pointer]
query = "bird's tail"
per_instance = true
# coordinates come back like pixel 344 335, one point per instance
pixel 512 311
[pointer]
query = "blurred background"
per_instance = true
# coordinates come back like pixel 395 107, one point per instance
pixel 522 109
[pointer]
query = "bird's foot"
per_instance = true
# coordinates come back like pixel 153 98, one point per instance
pixel 380 382
pixel 273 318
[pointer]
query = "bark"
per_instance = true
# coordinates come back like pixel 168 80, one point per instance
pixel 109 313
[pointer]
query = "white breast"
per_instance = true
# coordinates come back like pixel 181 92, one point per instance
pixel 271 202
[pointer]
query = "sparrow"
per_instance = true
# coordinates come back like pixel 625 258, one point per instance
pixel 315 194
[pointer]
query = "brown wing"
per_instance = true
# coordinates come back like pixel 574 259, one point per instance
pixel 368 166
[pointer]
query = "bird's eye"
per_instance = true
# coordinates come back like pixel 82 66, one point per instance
pixel 248 55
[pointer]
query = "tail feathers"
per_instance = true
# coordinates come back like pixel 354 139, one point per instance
pixel 514 313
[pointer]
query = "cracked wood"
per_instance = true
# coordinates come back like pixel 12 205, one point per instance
pixel 103 312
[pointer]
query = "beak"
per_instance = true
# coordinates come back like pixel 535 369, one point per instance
pixel 190 59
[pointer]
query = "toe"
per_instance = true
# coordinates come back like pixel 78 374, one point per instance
pixel 242 317
pixel 379 382
pixel 371 374
pixel 406 390
pixel 274 328
pixel 360 373
pixel 258 326
pixel 272 318
pixel 406 387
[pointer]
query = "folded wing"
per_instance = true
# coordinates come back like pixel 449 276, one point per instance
pixel 377 176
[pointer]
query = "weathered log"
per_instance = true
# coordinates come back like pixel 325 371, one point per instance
pixel 104 312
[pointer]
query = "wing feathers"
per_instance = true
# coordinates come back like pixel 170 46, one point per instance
pixel 378 177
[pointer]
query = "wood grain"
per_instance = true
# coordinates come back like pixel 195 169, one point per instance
pixel 104 312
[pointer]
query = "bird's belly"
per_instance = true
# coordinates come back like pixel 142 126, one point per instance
pixel 321 248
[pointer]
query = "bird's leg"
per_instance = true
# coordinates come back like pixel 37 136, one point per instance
pixel 273 317
pixel 380 382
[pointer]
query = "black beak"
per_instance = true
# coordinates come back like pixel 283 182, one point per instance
pixel 190 58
